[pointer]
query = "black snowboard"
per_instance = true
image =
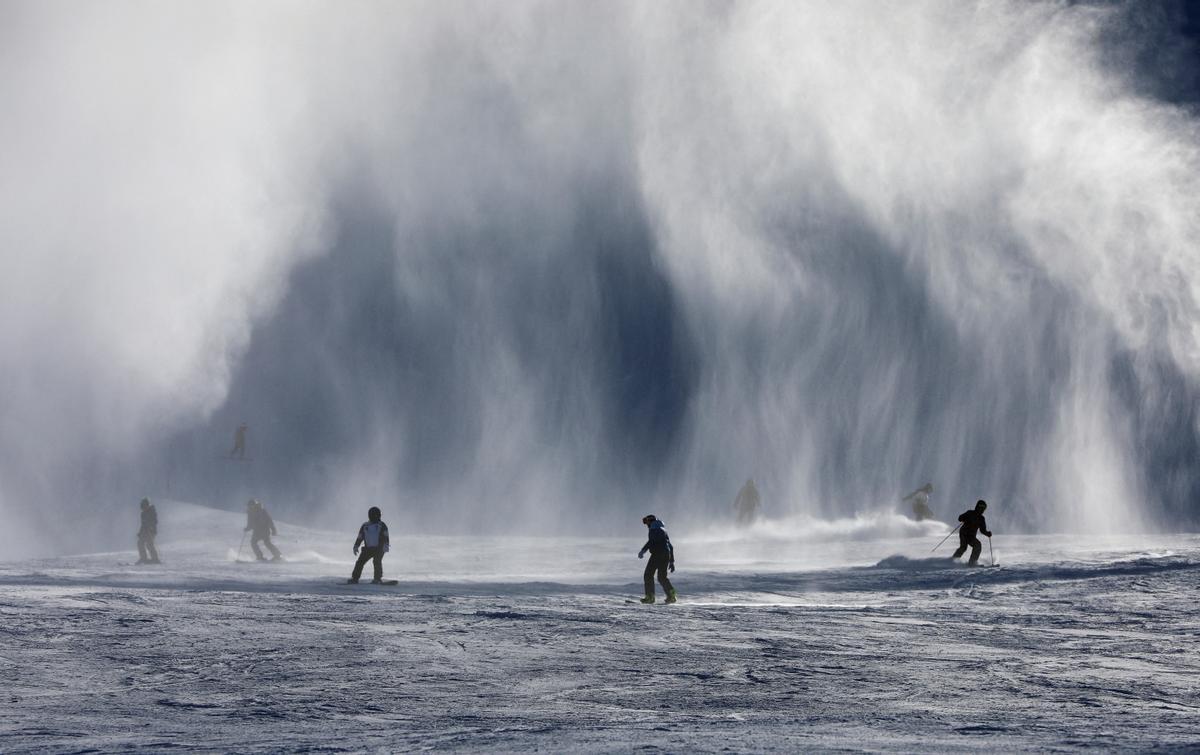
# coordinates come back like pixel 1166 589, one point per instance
pixel 389 582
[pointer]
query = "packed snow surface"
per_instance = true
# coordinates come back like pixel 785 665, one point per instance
pixel 790 636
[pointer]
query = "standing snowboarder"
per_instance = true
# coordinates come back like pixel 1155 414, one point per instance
pixel 374 539
pixel 662 559
pixel 145 536
pixel 920 502
pixel 746 504
pixel 972 522
pixel 261 526
pixel 239 442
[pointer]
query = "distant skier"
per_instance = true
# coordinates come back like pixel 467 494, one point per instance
pixel 375 541
pixel 662 559
pixel 747 504
pixel 972 522
pixel 239 442
pixel 145 536
pixel 920 502
pixel 261 526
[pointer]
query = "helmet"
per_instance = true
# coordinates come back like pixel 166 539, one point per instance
pixel 145 503
pixel 981 504
pixel 374 513
pixel 648 518
pixel 253 503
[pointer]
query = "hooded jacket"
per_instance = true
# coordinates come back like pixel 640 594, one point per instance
pixel 149 521
pixel 659 544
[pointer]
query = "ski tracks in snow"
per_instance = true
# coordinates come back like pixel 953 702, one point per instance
pixel 881 659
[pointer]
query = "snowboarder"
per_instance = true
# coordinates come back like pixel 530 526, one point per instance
pixel 239 442
pixel 972 522
pixel 662 559
pixel 374 539
pixel 145 536
pixel 920 502
pixel 261 526
pixel 746 504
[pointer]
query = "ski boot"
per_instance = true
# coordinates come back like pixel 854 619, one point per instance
pixel 648 599
pixel 352 581
pixel 670 596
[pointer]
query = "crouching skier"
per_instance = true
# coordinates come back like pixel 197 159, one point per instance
pixel 920 502
pixel 972 522
pixel 261 526
pixel 662 559
pixel 374 539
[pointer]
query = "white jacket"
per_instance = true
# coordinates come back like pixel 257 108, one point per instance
pixel 374 534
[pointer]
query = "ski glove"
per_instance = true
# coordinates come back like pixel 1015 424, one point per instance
pixel 642 553
pixel 671 567
pixel 356 550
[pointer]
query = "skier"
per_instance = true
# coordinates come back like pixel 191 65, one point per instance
pixel 746 504
pixel 662 559
pixel 239 442
pixel 374 539
pixel 145 536
pixel 920 502
pixel 261 526
pixel 972 522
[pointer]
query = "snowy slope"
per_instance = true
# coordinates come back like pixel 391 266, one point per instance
pixel 782 641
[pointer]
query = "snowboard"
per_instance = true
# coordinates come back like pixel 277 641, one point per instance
pixel 389 582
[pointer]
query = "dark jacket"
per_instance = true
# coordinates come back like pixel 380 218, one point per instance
pixel 659 543
pixel 972 522
pixel 149 521
pixel 260 521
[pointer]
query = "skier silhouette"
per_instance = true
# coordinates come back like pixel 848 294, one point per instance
pixel 239 442
pixel 662 559
pixel 920 502
pixel 262 526
pixel 972 522
pixel 375 541
pixel 747 504
pixel 145 536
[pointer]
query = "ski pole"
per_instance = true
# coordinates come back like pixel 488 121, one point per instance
pixel 947 537
pixel 240 546
pixel 991 550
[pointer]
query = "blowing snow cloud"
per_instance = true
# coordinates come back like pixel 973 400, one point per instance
pixel 503 264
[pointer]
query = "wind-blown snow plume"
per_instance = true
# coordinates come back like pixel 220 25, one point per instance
pixel 920 238
pixel 492 263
